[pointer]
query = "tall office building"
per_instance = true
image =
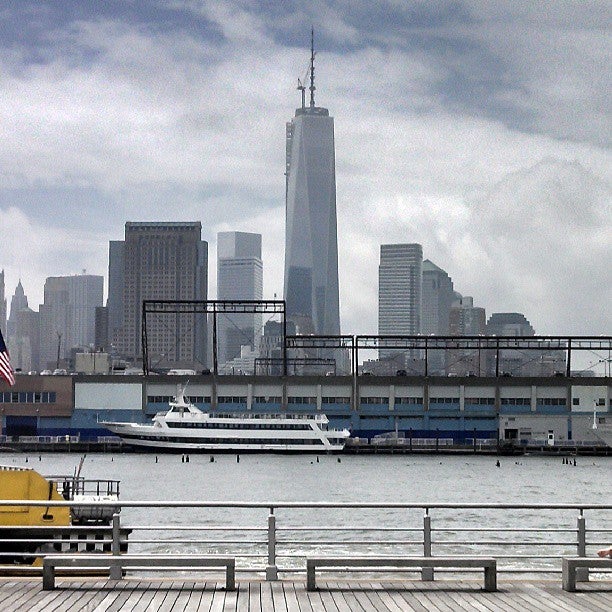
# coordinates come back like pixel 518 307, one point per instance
pixel 158 261
pixel 540 360
pixel 239 277
pixel 24 345
pixel 67 316
pixel 2 306
pixel 467 320
pixel 311 243
pixel 400 277
pixel 19 301
pixel 509 324
pixel 437 299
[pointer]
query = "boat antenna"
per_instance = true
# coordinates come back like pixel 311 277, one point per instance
pixel 312 70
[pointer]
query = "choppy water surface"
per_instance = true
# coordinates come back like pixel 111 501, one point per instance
pixel 379 478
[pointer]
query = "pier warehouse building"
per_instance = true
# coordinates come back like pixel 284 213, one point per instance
pixel 451 410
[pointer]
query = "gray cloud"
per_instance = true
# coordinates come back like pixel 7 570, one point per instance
pixel 444 114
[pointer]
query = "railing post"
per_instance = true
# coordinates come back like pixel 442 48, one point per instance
pixel 271 569
pixel 115 568
pixel 582 573
pixel 427 573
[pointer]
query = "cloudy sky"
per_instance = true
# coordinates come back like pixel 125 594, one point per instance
pixel 478 128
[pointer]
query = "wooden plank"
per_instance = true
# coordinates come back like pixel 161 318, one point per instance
pixel 337 589
pixel 291 598
pixel 218 599
pixel 394 596
pixel 267 600
pixel 255 596
pixel 314 598
pixel 468 599
pixel 173 591
pixel 553 603
pixel 349 596
pixel 24 595
pixel 328 600
pixel 302 597
pixel 407 599
pixel 158 598
pixel 195 598
pixel 231 598
pixel 388 601
pixel 372 595
pixel 142 603
pixel 208 594
pixel 70 598
pixel 122 601
pixel 278 597
pixel 569 600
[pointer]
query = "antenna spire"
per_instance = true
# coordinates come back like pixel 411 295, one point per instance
pixel 312 70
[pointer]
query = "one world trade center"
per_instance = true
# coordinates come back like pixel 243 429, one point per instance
pixel 311 243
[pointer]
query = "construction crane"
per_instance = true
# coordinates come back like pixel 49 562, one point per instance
pixel 302 87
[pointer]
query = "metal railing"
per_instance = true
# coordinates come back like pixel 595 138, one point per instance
pixel 276 537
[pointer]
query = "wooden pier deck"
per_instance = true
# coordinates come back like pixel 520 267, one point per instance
pixel 137 594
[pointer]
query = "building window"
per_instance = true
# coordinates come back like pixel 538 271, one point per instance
pixel 408 400
pixel 551 401
pixel 516 401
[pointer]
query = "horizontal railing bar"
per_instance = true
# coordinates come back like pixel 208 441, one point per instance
pixel 353 528
pixel 256 542
pixel 190 528
pixel 351 542
pixel 497 543
pixel 504 529
pixel 287 504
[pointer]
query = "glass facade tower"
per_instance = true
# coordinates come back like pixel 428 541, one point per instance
pixel 311 242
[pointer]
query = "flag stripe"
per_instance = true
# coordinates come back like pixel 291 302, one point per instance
pixel 6 371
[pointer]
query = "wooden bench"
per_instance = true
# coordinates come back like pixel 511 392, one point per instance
pixel 116 563
pixel 489 565
pixel 571 564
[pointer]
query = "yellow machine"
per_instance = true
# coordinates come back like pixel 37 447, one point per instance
pixel 25 483
pixel 26 532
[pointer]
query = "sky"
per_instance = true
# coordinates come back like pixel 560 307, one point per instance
pixel 480 129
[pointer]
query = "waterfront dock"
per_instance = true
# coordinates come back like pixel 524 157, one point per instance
pixel 136 594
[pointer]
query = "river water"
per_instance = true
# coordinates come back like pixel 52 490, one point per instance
pixel 351 478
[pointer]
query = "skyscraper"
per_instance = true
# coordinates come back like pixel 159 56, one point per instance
pixel 400 275
pixel 465 318
pixel 239 277
pixel 437 298
pixel 311 243
pixel 67 316
pixel 158 261
pixel 19 301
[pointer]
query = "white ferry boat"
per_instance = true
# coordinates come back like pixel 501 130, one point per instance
pixel 184 427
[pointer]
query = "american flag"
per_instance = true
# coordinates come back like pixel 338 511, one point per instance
pixel 6 371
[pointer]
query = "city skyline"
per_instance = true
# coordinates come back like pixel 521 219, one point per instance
pixel 485 139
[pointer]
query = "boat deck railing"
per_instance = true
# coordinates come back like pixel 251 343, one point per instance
pixel 276 537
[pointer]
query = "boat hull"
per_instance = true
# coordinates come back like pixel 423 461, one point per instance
pixel 157 439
